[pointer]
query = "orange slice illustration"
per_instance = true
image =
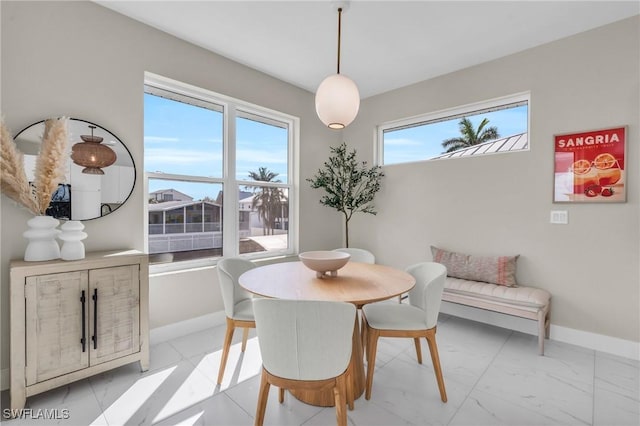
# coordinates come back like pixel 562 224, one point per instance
pixel 581 167
pixel 604 161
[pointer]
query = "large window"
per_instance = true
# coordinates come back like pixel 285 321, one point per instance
pixel 219 175
pixel 496 126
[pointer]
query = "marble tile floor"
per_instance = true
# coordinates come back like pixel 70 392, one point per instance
pixel 493 376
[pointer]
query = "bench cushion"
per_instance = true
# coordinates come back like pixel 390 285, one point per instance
pixel 521 296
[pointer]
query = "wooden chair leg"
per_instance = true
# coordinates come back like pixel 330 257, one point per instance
pixel 363 335
pixel 416 341
pixel 435 359
pixel 263 395
pixel 349 380
pixel 225 348
pixel 280 395
pixel 372 344
pixel 245 335
pixel 339 392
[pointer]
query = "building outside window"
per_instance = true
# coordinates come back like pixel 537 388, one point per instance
pixel 219 175
pixel 495 126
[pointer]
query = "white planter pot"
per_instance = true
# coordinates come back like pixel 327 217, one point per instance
pixel 72 236
pixel 42 235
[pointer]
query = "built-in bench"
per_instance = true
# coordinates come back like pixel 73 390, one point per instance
pixel 489 282
pixel 525 302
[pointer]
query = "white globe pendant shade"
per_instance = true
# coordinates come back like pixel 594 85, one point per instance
pixel 337 101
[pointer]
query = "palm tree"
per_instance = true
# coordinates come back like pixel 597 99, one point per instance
pixel 471 136
pixel 267 201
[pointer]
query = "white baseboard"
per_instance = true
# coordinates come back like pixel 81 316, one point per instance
pixel 585 339
pixel 182 328
pixel 598 342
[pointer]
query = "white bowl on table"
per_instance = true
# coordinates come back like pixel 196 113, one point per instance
pixel 324 261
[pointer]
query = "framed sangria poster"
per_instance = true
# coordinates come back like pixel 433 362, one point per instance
pixel 590 166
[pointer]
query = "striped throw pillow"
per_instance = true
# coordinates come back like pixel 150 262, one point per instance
pixel 499 270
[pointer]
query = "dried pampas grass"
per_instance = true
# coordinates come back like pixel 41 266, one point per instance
pixel 50 167
pixel 13 179
pixel 50 164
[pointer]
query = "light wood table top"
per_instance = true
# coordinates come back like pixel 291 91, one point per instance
pixel 357 283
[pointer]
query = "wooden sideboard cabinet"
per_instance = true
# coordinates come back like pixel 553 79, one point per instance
pixel 74 319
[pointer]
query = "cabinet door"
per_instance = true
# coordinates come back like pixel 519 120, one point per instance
pixel 114 315
pixel 54 325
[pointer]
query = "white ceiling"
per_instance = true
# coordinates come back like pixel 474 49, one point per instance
pixel 385 44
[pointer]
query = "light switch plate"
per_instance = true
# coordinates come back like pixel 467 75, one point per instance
pixel 560 217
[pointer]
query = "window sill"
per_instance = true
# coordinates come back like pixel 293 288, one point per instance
pixel 199 264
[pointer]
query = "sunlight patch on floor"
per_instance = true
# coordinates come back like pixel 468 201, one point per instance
pixel 196 388
pixel 191 421
pixel 240 367
pixel 133 398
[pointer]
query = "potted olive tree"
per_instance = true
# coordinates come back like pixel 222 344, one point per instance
pixel 350 186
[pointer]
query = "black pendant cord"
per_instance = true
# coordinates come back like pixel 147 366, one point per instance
pixel 339 34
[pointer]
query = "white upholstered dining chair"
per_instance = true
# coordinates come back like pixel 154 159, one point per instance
pixel 358 254
pixel 238 306
pixel 361 255
pixel 364 256
pixel 305 345
pixel 416 319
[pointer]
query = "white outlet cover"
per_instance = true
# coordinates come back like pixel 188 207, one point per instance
pixel 559 217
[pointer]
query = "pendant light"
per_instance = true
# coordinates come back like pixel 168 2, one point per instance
pixel 92 155
pixel 337 97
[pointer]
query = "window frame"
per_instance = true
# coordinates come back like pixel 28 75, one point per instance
pixel 231 108
pixel 449 114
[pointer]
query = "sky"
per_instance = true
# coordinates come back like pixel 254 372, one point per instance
pixel 185 139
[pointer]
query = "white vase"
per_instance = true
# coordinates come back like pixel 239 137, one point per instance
pixel 72 236
pixel 42 235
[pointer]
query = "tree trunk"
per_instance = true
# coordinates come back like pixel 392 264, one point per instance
pixel 346 232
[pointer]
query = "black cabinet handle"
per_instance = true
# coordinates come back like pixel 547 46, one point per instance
pixel 83 340
pixel 95 319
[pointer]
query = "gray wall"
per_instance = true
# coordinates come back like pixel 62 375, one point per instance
pixel 81 60
pixel 500 204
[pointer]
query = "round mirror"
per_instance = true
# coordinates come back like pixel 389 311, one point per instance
pixel 100 173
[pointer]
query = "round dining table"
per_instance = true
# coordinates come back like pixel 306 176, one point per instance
pixel 357 283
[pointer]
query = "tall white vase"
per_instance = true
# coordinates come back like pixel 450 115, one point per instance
pixel 72 236
pixel 42 235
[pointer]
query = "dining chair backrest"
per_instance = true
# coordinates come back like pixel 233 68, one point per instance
pixel 427 293
pixel 358 254
pixel 229 270
pixel 304 339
